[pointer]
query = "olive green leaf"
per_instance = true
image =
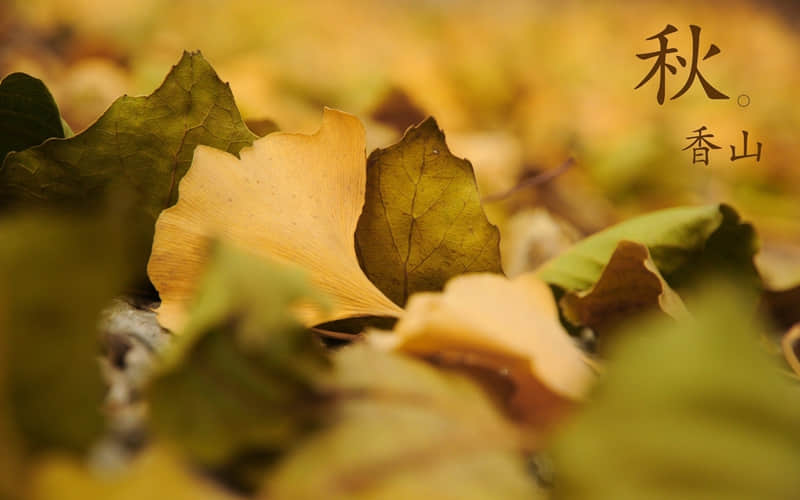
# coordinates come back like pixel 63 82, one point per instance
pixel 691 410
pixel 629 284
pixel 422 222
pixel 404 429
pixel 240 377
pixel 28 114
pixel 56 274
pixel 685 243
pixel 144 143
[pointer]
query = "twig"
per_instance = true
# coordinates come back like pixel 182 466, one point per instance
pixel 536 180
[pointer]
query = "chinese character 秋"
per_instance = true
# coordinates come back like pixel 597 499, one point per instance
pixel 757 154
pixel 699 148
pixel 661 65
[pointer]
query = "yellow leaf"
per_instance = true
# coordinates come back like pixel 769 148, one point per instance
pixel 496 327
pixel 292 197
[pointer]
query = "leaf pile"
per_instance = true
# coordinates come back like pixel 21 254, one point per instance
pixel 268 251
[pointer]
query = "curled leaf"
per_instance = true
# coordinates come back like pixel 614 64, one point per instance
pixel 507 327
pixel 685 243
pixel 292 197
pixel 422 222
pixel 629 284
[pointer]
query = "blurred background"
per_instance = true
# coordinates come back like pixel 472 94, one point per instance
pixel 519 87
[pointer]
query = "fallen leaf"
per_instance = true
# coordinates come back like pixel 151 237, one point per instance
pixel 241 377
pixel 422 222
pixel 144 143
pixel 155 473
pixel 691 410
pixel 292 197
pixel 508 327
pixel 791 348
pixel 685 243
pixel 629 284
pixel 403 429
pixel 28 114
pixel 56 274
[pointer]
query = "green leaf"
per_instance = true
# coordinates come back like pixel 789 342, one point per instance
pixel 685 244
pixel 404 429
pixel 241 374
pixel 56 274
pixel 28 114
pixel 422 222
pixel 630 284
pixel 695 410
pixel 143 143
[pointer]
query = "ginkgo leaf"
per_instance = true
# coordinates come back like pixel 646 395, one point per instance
pixel 142 143
pixel 692 410
pixel 684 243
pixel 401 430
pixel 629 284
pixel 422 222
pixel 508 328
pixel 28 114
pixel 292 197
pixel 155 473
pixel 242 375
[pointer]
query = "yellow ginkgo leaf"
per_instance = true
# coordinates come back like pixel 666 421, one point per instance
pixel 291 197
pixel 505 331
